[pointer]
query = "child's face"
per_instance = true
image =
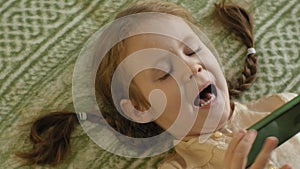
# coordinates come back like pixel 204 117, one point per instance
pixel 189 69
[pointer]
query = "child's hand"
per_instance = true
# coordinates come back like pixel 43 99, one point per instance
pixel 237 152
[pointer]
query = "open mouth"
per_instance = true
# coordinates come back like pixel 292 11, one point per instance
pixel 206 96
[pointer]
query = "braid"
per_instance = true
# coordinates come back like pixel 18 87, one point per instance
pixel 241 22
pixel 51 139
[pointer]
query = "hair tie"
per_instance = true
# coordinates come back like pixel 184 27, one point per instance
pixel 251 51
pixel 82 116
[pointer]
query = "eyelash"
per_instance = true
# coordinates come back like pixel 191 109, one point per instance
pixel 166 76
pixel 192 52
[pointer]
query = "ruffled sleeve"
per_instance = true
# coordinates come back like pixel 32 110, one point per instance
pixel 195 155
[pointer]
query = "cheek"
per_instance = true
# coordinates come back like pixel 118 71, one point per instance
pixel 173 94
pixel 173 101
pixel 218 76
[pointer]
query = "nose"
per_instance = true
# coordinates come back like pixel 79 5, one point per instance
pixel 194 71
pixel 195 68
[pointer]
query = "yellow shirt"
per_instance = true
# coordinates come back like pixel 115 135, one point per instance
pixel 191 154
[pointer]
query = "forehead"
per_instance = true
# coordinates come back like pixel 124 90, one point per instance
pixel 168 34
pixel 158 32
pixel 140 42
pixel 157 41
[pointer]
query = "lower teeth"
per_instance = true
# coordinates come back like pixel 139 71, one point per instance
pixel 208 101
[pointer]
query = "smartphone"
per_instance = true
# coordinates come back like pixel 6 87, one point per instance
pixel 283 123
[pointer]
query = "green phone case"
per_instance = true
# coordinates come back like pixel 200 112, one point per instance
pixel 283 123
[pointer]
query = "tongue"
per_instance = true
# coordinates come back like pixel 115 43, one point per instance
pixel 207 97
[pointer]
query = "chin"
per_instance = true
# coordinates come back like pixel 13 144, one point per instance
pixel 224 119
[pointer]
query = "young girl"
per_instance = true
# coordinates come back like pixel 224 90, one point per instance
pixel 167 56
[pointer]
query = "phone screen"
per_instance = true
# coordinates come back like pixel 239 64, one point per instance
pixel 283 123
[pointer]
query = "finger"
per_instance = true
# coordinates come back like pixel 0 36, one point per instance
pixel 286 166
pixel 264 155
pixel 234 142
pixel 242 150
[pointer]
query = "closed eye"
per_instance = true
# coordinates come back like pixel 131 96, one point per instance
pixel 166 76
pixel 164 72
pixel 192 52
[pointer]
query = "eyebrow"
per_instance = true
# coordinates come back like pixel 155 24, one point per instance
pixel 190 38
pixel 198 49
pixel 157 69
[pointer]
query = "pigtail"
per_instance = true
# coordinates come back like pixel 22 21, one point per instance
pixel 241 22
pixel 50 136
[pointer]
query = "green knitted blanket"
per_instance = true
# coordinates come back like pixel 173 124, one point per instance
pixel 40 41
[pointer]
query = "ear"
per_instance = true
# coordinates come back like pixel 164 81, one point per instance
pixel 134 114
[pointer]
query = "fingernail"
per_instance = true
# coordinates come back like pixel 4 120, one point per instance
pixel 241 133
pixel 252 133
